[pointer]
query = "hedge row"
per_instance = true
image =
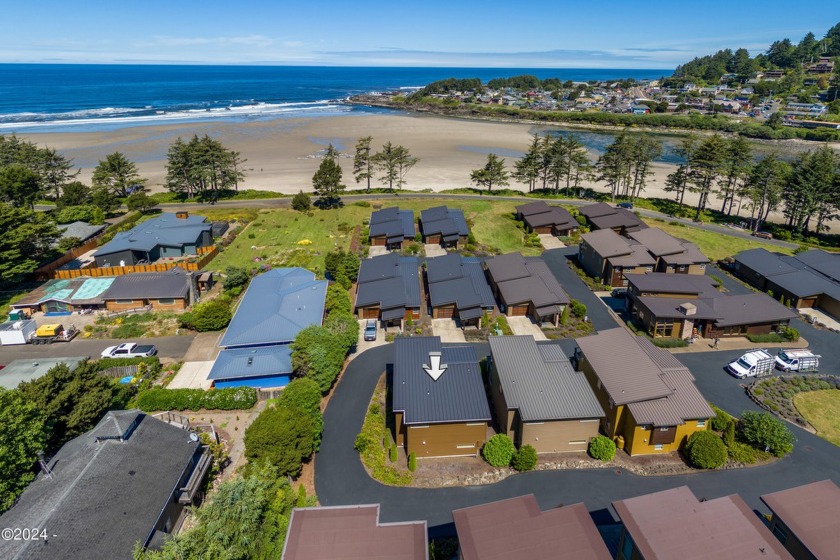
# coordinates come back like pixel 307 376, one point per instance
pixel 238 398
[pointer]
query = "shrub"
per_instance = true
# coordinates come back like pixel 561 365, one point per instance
pixel 578 309
pixel 337 300
pixel 765 431
pixel 252 236
pixel 564 317
pixel 362 443
pixel 210 315
pixel 302 202
pixel 743 453
pixel 342 263
pixel 721 419
pixel 235 277
pixel 305 394
pixel 669 342
pixel 156 399
pixel 525 459
pixel 128 330
pixel 602 448
pixel 412 462
pixel 499 450
pixel 282 437
pixel 68 214
pixel 392 453
pixel 729 435
pixel 705 450
pixel 790 334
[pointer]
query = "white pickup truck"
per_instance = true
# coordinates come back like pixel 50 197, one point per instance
pixel 129 350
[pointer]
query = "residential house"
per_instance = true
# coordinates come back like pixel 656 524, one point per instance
pixel 517 528
pixel 806 519
pixel 640 109
pixel 825 65
pixel 675 524
pixel 539 399
pixel 256 350
pixel 352 533
pixel 63 297
pixel 539 217
pixel 606 255
pixel 391 227
pixel 80 230
pixel 809 279
pixel 526 287
pixel 671 254
pixel 444 226
pixel 446 417
pixel 20 370
pixel 683 306
pixel 648 395
pixel 604 216
pixel 388 289
pixel 161 291
pixel 165 235
pixel 126 482
pixel 458 289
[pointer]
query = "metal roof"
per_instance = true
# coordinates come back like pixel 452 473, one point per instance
pixel 18 371
pixel 668 307
pixel 749 309
pixel 620 217
pixel 812 513
pixel 173 283
pixel 665 283
pixel 106 495
pixel 538 214
pixel 685 403
pixel 657 241
pixel 454 279
pixel 516 528
pixel 521 280
pixel 805 283
pixel 165 229
pixel 639 257
pixel 457 396
pixel 675 524
pixel 507 267
pixel 80 230
pixel 690 255
pixel 827 264
pixel 237 363
pixel 445 221
pixel 607 243
pixel 597 209
pixel 763 261
pixel 392 222
pixel 277 305
pixel 390 281
pixel 539 380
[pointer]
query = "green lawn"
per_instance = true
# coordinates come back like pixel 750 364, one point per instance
pixel 822 410
pixel 712 244
pixel 280 236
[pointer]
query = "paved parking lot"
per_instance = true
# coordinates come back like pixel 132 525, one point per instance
pixel 448 330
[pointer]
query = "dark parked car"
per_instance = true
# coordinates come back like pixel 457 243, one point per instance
pixel 619 292
pixel 628 205
pixel 370 330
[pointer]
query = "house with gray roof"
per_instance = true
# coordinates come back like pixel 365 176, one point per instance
pixel 650 401
pixel 388 289
pixel 458 289
pixel 539 399
pixel 64 296
pixel 539 217
pixel 672 255
pixel 604 216
pixel 127 481
pixel 444 226
pixel 391 227
pixel 165 235
pixel 524 286
pixel 80 230
pixel 18 371
pixel 443 417
pixel 161 291
pixel 256 350
pixel 809 279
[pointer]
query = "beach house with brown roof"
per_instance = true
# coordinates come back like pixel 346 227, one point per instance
pixel 517 528
pixel 539 217
pixel 674 524
pixel 672 255
pixel 539 399
pixel 388 289
pixel 648 396
pixel 351 533
pixel 391 227
pixel 604 216
pixel 806 519
pixel 444 226
pixel 609 256
pixel 526 287
pixel 458 289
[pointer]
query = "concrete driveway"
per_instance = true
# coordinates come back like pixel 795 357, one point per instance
pixel 524 325
pixel 376 251
pixel 173 347
pixel 433 250
pixel 204 347
pixel 192 375
pixel 548 241
pixel 362 344
pixel 448 330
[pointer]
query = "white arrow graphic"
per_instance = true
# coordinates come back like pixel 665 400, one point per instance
pixel 436 369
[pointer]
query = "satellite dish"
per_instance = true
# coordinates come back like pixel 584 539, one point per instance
pixel 193 437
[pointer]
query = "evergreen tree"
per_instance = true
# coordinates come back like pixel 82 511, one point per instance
pixel 327 180
pixel 362 165
pixel 117 174
pixel 493 173
pixel 526 169
pixel 706 164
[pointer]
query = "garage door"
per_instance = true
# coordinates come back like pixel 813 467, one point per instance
pixel 518 310
pixel 370 313
pixel 445 312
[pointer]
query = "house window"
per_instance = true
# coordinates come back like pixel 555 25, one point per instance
pixel 578 442
pixel 658 447
pixel 780 533
pixel 535 423
pixel 701 423
pixel 124 301
pixel 649 268
pixel 166 301
pixel 476 423
pixel 592 420
pixel 681 268
pixel 418 427
pixel 627 547
pixel 466 446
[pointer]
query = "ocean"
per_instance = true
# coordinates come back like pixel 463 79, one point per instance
pixel 79 98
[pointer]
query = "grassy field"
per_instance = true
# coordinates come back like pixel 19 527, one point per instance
pixel 285 237
pixel 712 244
pixel 822 410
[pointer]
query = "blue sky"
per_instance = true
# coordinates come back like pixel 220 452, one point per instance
pixel 538 33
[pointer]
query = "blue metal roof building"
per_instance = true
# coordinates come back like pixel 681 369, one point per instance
pixel 276 306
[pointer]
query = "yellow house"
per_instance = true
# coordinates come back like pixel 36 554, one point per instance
pixel 649 396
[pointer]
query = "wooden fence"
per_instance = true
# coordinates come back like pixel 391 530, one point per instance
pixel 207 254
pixel 46 272
pixel 118 372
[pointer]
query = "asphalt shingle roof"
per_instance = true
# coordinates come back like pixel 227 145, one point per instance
pixel 540 382
pixel 104 496
pixel 150 285
pixel 392 222
pixel 389 280
pixel 444 221
pixel 165 229
pixel 277 305
pixel 754 308
pixel 458 280
pixel 238 363
pixel 80 230
pixel 457 396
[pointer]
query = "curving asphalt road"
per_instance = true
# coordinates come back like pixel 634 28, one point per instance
pixel 340 478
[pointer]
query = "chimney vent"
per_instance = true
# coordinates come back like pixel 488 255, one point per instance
pixel 688 309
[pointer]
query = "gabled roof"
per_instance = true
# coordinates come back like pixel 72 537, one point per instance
pixel 604 216
pixel 448 222
pixel 172 283
pixel 277 305
pixel 239 363
pixel 352 533
pixel 539 380
pixel 393 223
pixel 812 513
pixel 539 214
pixel 457 396
pixel 764 262
pixel 458 280
pixel 608 243
pixel 165 229
pixel 510 266
pixel 75 291
pixel 105 495
pixel 657 242
pixel 664 283
pixel 80 230
pixel 691 255
pixel 597 209
pixel 639 257
pixel 390 281
pixel 517 528
pixel 675 524
pixel 521 280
